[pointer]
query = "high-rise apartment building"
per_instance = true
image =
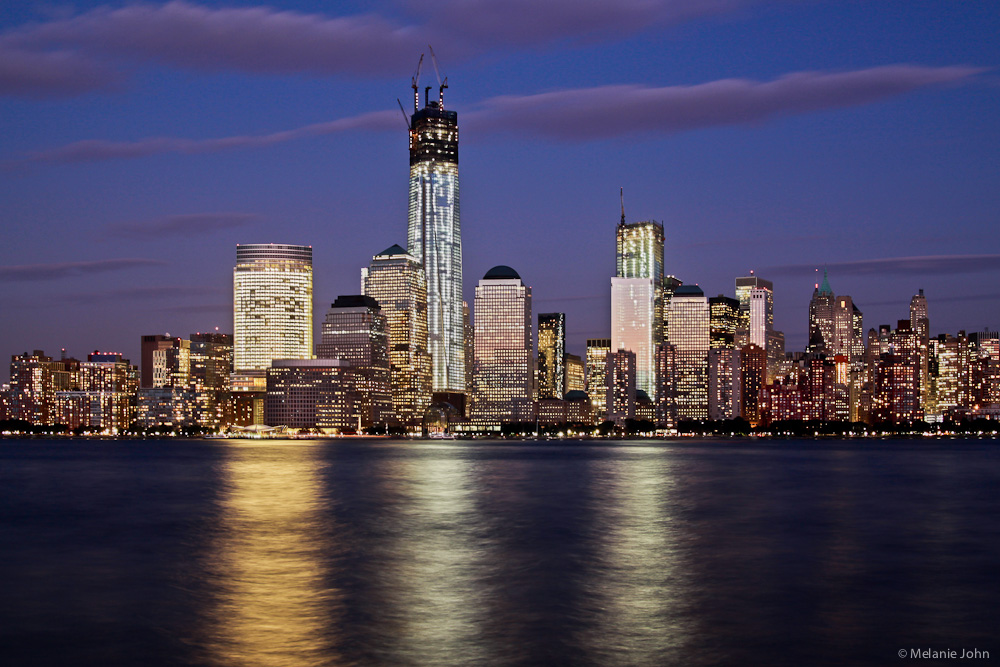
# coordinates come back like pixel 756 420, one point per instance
pixel 621 386
pixel 434 236
pixel 504 365
pixel 395 279
pixel 272 305
pixel 688 320
pixel 211 367
pixel 551 355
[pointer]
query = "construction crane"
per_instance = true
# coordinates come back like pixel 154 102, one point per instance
pixel 416 85
pixel 441 84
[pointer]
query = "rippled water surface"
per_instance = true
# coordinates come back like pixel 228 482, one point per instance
pixel 372 552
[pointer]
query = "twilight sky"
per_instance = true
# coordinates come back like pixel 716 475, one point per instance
pixel 142 141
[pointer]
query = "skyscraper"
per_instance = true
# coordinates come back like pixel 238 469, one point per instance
pixel 272 305
pixel 395 279
pixel 597 364
pixel 689 335
pixel 744 285
pixel 551 355
pixel 504 348
pixel 633 322
pixel 355 331
pixel 434 236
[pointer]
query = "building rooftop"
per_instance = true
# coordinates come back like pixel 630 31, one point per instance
pixel 690 290
pixel 501 272
pixel 354 301
pixel 394 249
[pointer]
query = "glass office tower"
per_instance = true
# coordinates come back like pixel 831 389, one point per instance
pixel 435 236
pixel 272 305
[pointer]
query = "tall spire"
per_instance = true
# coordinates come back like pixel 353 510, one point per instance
pixel 622 195
pixel 825 287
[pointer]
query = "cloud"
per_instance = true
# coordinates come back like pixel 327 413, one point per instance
pixel 52 74
pixel 946 298
pixel 928 265
pixel 95 150
pixel 610 111
pixel 582 114
pixel 537 22
pixel 36 60
pixel 183 225
pixel 40 272
pixel 253 39
pixel 146 294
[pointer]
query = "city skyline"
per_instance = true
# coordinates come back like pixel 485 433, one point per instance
pixel 873 158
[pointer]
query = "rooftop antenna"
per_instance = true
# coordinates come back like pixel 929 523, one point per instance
pixel 621 194
pixel 441 84
pixel 415 81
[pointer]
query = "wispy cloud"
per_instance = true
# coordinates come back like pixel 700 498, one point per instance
pixel 252 39
pixel 52 74
pixel 539 22
pixel 145 294
pixel 41 272
pixel 265 40
pixel 95 150
pixel 582 113
pixel 927 265
pixel 943 298
pixel 183 225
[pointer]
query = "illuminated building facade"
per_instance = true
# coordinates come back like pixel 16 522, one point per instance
pixel 633 326
pixel 272 305
pixel 395 279
pixel 504 361
pixel 211 369
pixel 355 331
pixel 688 320
pixel 724 317
pixel 640 255
pixel 724 383
pixel 753 377
pixel 551 355
pixel 575 378
pixel 315 394
pixel 744 286
pixel 621 386
pixel 596 382
pixel 434 236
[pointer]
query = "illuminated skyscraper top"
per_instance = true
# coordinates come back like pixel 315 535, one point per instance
pixel 434 236
pixel 272 305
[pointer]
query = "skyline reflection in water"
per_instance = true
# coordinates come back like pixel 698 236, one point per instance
pixel 380 552
pixel 268 561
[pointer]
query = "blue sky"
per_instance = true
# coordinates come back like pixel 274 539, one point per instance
pixel 144 140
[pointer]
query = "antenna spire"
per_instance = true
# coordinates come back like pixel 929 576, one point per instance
pixel 621 194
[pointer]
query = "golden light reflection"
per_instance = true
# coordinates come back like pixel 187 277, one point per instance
pixel 272 604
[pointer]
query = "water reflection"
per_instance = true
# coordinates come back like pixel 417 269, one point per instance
pixel 272 605
pixel 424 587
pixel 639 578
